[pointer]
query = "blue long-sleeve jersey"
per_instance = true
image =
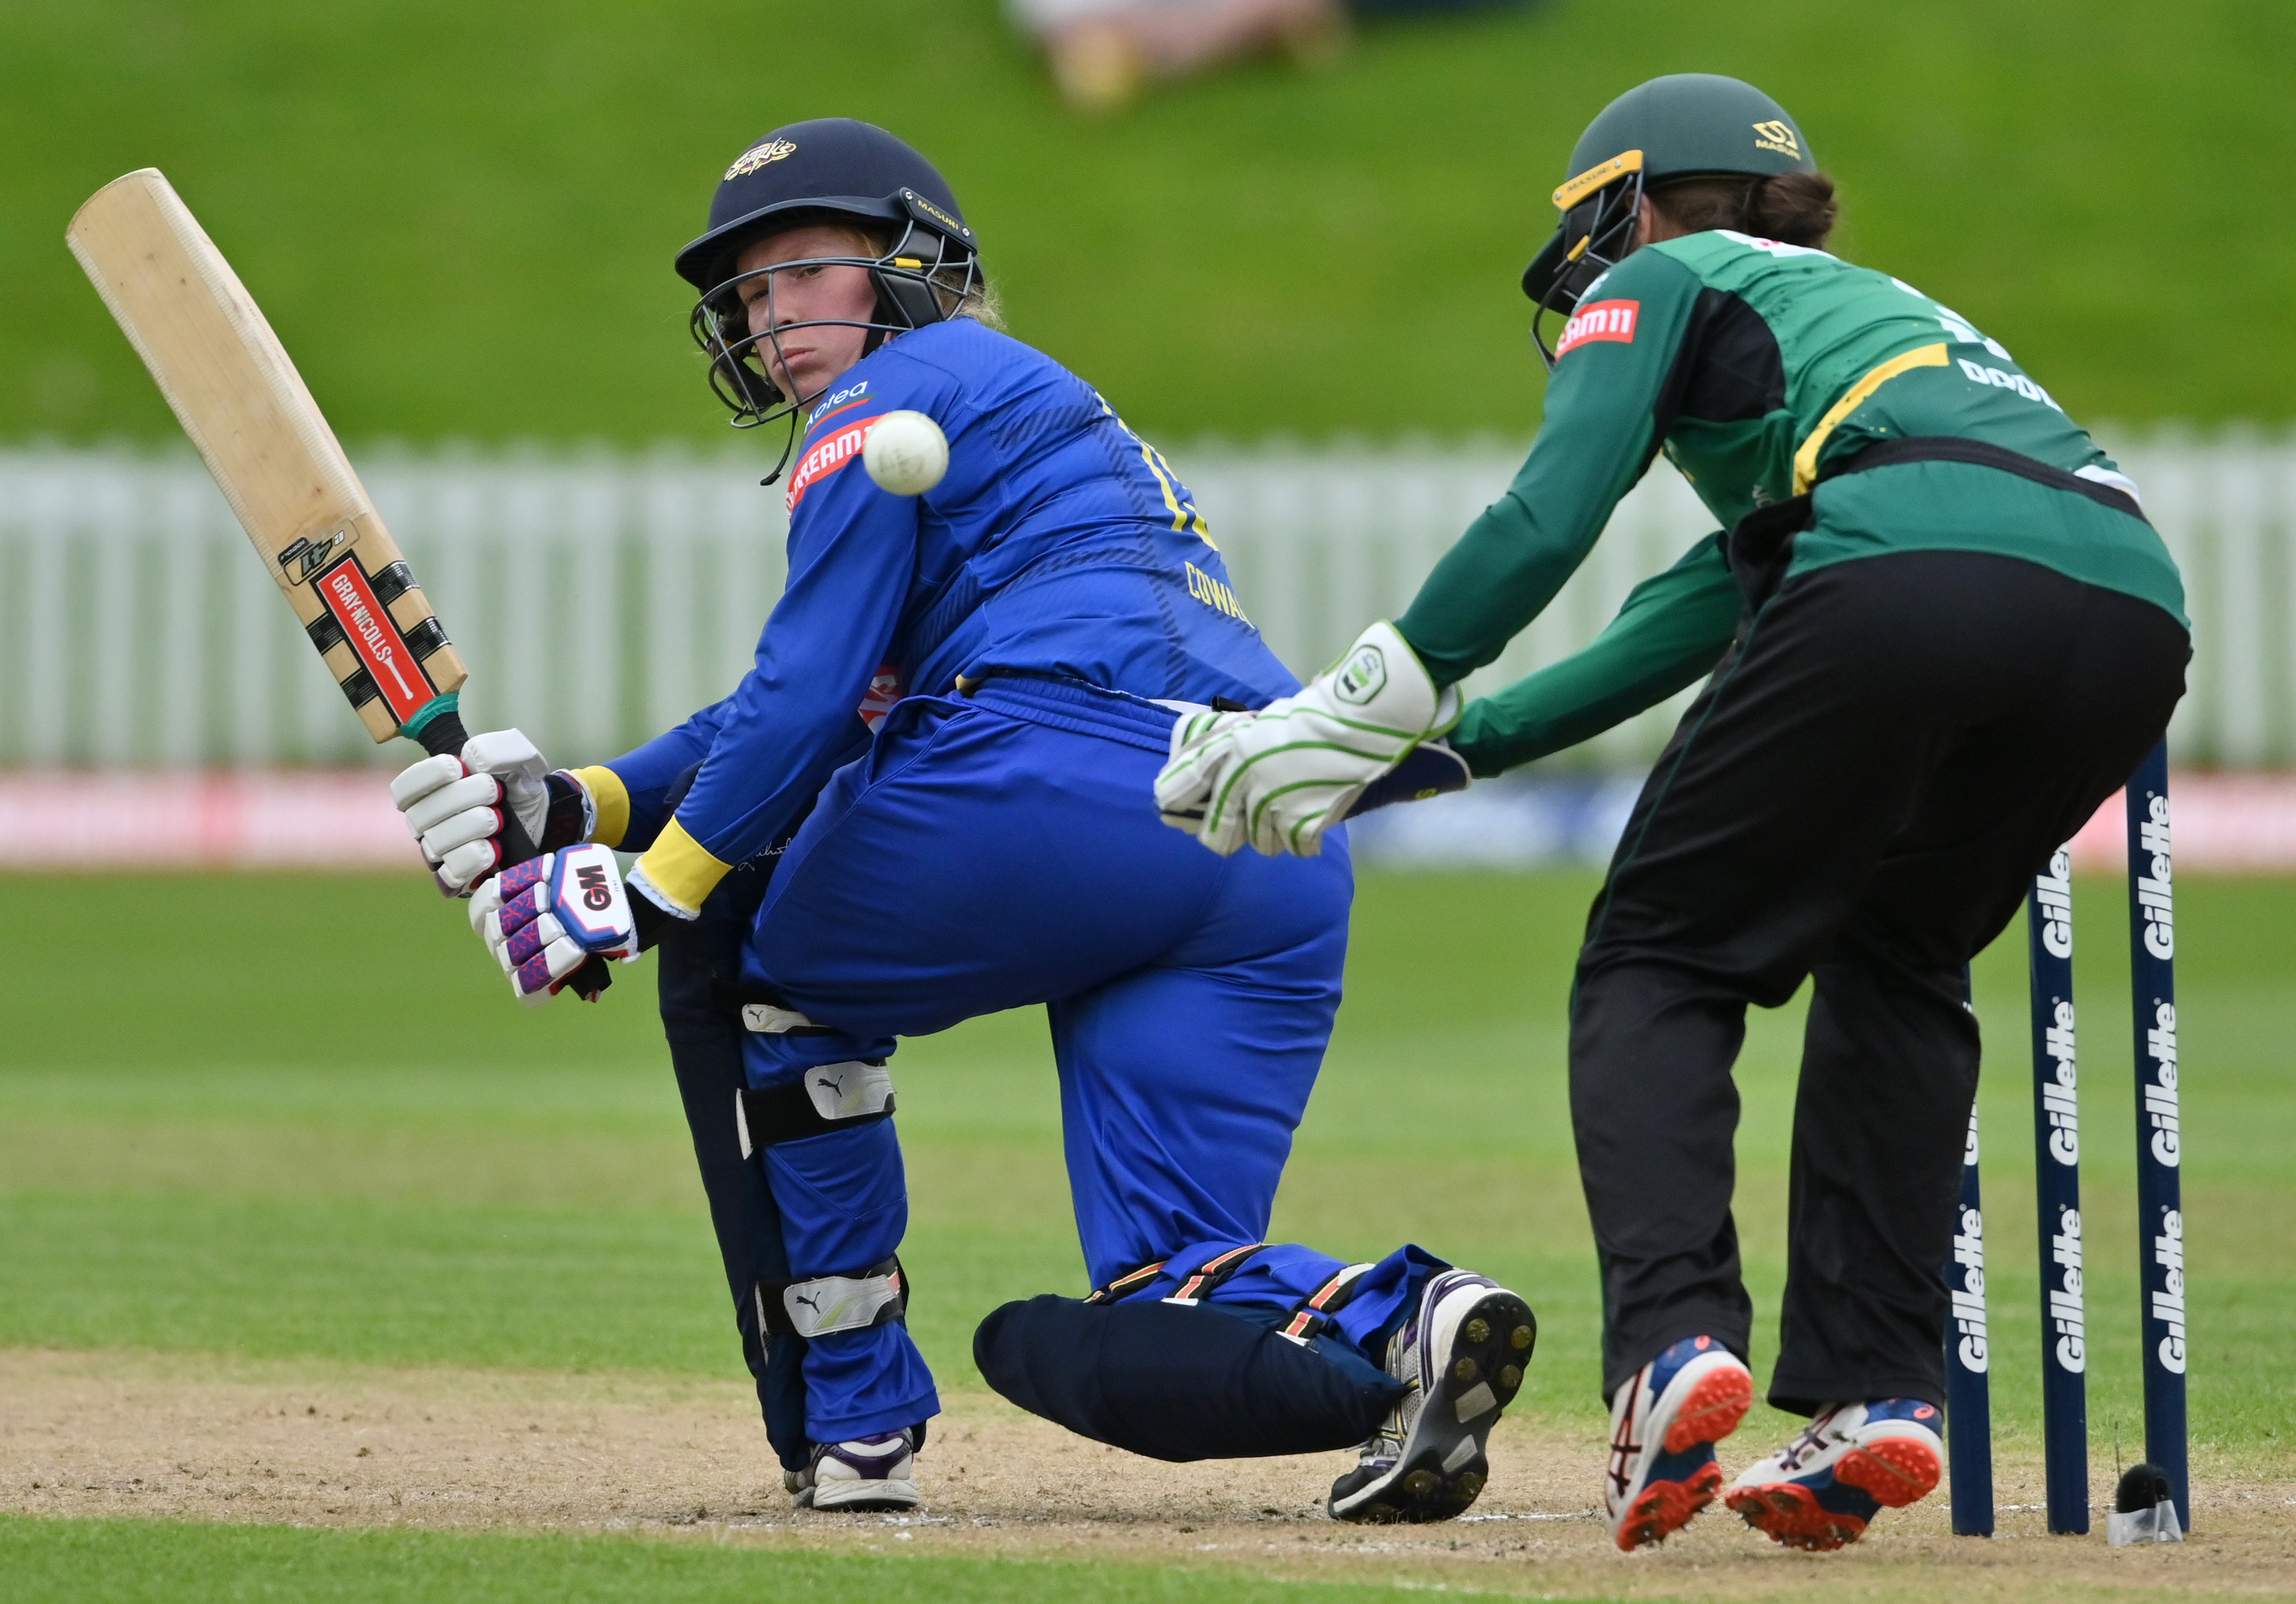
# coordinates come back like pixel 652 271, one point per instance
pixel 1059 543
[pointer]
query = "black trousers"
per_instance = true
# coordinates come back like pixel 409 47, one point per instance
pixel 1862 794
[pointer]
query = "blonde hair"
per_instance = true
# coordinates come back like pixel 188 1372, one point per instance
pixel 977 300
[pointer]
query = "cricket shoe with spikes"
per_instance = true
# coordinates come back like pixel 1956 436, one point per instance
pixel 868 1473
pixel 1853 1461
pixel 1664 1424
pixel 1460 1357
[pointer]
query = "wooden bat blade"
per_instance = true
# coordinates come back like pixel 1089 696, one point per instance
pixel 245 407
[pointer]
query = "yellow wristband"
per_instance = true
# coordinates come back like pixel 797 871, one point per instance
pixel 611 799
pixel 681 868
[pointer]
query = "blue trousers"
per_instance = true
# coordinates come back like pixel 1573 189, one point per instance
pixel 1001 851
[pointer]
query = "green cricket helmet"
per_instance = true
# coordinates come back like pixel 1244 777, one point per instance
pixel 1689 125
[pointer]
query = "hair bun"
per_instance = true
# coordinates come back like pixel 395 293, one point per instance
pixel 1793 209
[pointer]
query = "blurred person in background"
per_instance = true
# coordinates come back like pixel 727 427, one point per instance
pixel 1103 54
pixel 1939 632
pixel 924 804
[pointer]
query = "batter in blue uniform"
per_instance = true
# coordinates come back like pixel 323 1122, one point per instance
pixel 923 803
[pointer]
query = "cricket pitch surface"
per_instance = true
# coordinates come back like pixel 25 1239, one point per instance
pixel 188 1437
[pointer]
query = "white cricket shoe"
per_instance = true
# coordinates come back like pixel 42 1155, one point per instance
pixel 1664 1424
pixel 868 1473
pixel 1461 1355
pixel 1855 1460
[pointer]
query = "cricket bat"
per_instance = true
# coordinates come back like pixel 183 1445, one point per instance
pixel 268 446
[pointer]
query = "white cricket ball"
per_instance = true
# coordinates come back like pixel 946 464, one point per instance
pixel 906 452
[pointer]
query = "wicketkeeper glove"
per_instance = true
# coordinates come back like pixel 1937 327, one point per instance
pixel 1433 769
pixel 1278 778
pixel 548 918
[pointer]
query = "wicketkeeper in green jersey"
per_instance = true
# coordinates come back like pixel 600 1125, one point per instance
pixel 1939 633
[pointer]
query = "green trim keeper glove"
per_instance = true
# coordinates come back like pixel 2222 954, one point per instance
pixel 1278 778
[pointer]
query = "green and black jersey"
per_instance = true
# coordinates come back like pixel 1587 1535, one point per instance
pixel 1754 367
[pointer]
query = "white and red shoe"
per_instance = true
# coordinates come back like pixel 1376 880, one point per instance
pixel 1855 1460
pixel 1664 1424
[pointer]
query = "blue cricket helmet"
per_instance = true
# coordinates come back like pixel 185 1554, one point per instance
pixel 831 164
pixel 926 270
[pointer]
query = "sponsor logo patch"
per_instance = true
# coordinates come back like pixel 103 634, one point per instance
pixel 829 404
pixel 2169 1292
pixel 919 203
pixel 760 155
pixel 884 690
pixel 1604 320
pixel 1363 677
pixel 1980 372
pixel 826 456
pixel 306 557
pixel 374 639
pixel 587 898
pixel 595 896
pixel 1777 137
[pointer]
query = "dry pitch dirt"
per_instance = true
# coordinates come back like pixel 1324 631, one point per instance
pixel 130 1434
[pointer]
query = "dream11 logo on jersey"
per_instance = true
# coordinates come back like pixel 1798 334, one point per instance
pixel 1599 320
pixel 824 458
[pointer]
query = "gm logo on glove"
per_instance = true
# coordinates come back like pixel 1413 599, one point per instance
pixel 596 895
pixel 586 896
pixel 545 918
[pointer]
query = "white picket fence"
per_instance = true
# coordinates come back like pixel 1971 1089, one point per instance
pixel 600 598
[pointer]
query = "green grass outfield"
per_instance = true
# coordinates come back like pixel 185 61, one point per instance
pixel 293 1118
pixel 460 216
pixel 172 1562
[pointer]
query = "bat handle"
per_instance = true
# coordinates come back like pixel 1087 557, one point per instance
pixel 445 733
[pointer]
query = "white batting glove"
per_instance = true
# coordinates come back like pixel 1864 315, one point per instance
pixel 455 803
pixel 1278 778
pixel 544 918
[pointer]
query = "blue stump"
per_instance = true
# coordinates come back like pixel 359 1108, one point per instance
pixel 2057 1142
pixel 2159 1147
pixel 1968 1361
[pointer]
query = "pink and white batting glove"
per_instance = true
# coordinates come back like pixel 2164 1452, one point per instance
pixel 543 920
pixel 456 803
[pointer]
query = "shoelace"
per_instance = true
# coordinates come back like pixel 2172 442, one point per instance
pixel 1385 1444
pixel 1623 1446
pixel 1810 1443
